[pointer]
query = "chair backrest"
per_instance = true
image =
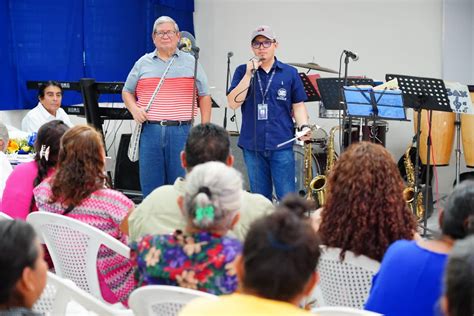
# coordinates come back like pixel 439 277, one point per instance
pixel 342 311
pixel 59 293
pixel 162 300
pixel 73 246
pixel 345 283
pixel 4 217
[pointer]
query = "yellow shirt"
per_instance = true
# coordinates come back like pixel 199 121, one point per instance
pixel 240 304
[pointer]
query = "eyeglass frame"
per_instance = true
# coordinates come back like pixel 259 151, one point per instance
pixel 161 34
pixel 260 43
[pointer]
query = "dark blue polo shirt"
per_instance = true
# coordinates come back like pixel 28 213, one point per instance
pixel 286 89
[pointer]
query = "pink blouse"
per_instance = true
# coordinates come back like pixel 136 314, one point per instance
pixel 19 190
pixel 104 209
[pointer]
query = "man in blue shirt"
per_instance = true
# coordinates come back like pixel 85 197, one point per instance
pixel 270 94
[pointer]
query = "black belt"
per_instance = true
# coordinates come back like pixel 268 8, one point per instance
pixel 169 123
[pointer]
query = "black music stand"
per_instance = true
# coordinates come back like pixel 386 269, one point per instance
pixel 422 94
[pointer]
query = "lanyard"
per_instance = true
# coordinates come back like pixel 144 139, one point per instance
pixel 158 87
pixel 268 84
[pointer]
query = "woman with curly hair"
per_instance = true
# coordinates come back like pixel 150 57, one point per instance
pixel 365 211
pixel 18 200
pixel 78 190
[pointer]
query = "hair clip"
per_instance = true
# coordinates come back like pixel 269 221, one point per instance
pixel 44 152
pixel 205 212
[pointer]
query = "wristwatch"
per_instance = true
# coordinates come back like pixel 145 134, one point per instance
pixel 303 126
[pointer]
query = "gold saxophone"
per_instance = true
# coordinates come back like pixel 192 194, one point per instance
pixel 409 191
pixel 317 186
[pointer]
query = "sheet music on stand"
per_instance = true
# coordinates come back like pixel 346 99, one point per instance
pixel 375 104
pixel 310 89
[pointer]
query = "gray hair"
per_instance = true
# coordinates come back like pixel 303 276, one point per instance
pixel 216 187
pixel 4 136
pixel 165 19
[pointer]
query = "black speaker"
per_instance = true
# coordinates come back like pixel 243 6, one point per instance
pixel 127 175
pixel 239 162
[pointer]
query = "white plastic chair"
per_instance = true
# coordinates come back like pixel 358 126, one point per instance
pixel 4 217
pixel 345 283
pixel 162 300
pixel 73 246
pixel 62 296
pixel 342 311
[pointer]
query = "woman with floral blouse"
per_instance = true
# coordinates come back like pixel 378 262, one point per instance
pixel 202 257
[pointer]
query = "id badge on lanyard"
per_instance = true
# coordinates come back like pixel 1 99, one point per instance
pixel 262 108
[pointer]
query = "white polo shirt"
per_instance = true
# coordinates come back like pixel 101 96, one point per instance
pixel 35 118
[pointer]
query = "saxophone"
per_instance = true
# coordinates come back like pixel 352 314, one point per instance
pixel 318 185
pixel 409 191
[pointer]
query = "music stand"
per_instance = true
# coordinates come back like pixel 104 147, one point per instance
pixel 311 91
pixel 428 94
pixel 330 91
pixel 369 104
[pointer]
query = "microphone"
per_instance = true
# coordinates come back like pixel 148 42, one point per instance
pixel 182 45
pixel 230 54
pixel 352 55
pixel 258 59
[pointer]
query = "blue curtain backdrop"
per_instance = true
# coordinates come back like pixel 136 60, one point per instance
pixel 68 40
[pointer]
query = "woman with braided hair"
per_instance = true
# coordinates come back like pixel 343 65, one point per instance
pixel 18 200
pixel 201 257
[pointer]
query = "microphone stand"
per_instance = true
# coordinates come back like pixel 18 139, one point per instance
pixel 227 89
pixel 196 57
pixel 344 83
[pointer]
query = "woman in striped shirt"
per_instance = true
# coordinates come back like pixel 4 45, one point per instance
pixel 78 190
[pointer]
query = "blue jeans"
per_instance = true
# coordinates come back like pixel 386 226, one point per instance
pixel 271 168
pixel 160 149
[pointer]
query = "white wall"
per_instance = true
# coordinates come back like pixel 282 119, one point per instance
pixel 458 42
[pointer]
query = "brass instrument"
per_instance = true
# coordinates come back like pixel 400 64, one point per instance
pixel 409 191
pixel 317 186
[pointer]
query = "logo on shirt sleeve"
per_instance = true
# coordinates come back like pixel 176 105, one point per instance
pixel 281 94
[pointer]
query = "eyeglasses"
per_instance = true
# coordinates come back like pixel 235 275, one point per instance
pixel 265 44
pixel 167 33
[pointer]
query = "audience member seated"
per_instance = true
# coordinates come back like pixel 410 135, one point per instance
pixel 48 108
pixel 365 211
pixel 5 166
pixel 18 200
pixel 458 299
pixel 159 212
pixel 410 276
pixel 276 270
pixel 201 257
pixel 78 189
pixel 22 269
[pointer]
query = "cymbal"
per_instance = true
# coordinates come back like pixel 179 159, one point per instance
pixel 313 66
